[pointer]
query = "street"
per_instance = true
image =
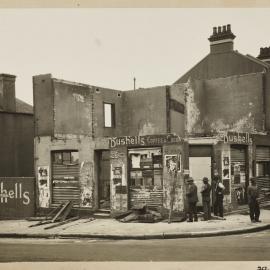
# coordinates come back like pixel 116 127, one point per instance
pixel 246 247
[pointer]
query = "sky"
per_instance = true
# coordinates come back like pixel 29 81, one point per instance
pixel 109 47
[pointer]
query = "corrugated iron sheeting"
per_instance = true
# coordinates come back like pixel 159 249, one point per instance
pixel 66 184
pixel 150 198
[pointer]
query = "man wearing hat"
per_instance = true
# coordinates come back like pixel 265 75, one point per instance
pixel 205 191
pixel 253 201
pixel 192 199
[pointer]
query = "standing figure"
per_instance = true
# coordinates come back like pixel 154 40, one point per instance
pixel 253 201
pixel 219 194
pixel 192 199
pixel 205 191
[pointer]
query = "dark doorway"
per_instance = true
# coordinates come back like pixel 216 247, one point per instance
pixel 104 179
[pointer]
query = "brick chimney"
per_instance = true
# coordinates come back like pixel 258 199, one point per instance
pixel 222 39
pixel 7 93
pixel 265 55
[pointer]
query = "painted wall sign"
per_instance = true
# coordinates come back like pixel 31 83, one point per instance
pixel 236 138
pixel 114 154
pixel 43 186
pixel 148 140
pixel 17 197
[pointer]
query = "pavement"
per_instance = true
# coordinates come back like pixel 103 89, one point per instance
pixel 113 229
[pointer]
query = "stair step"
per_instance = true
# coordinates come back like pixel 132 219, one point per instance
pixel 103 211
pixel 101 215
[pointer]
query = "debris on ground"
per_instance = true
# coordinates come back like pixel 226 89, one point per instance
pixel 89 220
pixel 59 218
pixel 61 223
pixel 140 214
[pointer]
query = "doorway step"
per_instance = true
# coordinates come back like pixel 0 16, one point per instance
pixel 102 213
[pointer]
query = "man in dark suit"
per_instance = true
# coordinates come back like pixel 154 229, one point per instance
pixel 192 199
pixel 205 191
pixel 253 201
pixel 219 194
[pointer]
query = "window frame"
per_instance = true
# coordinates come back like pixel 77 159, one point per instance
pixel 62 152
pixel 265 168
pixel 112 115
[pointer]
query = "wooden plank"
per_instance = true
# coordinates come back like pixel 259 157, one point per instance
pixel 41 223
pixel 61 211
pixel 61 223
pixel 37 218
pixel 54 210
pixel 66 211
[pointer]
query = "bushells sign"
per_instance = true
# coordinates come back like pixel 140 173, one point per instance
pixel 17 197
pixel 148 140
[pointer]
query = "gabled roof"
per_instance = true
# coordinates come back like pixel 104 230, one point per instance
pixel 230 63
pixel 23 107
pixel 189 71
pixel 256 60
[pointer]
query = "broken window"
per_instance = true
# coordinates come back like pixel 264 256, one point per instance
pixel 65 157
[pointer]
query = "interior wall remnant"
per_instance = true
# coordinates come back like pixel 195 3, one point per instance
pixel 119 192
pixel 173 180
pixel 192 110
pixel 87 184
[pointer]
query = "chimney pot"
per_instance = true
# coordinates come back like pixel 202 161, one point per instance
pixel 264 54
pixel 222 39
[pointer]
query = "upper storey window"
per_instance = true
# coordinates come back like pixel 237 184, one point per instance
pixel 109 114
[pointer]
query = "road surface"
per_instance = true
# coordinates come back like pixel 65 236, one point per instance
pixel 246 247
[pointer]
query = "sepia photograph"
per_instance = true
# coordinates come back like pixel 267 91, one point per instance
pixel 134 136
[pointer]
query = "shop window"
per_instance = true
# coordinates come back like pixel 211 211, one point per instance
pixel 145 168
pixel 74 157
pixel 109 115
pixel 263 169
pixel 65 157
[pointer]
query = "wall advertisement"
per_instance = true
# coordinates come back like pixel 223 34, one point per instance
pixel 43 186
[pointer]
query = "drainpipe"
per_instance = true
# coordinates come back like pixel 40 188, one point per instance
pixel 264 98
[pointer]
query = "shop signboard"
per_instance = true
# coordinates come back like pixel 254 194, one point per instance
pixel 236 137
pixel 149 140
pixel 17 197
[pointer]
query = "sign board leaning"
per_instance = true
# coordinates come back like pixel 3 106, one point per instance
pixel 17 197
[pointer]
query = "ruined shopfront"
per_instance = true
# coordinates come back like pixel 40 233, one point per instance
pixel 229 155
pixel 147 170
pixel 235 165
